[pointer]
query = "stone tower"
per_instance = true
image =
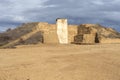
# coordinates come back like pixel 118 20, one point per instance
pixel 62 31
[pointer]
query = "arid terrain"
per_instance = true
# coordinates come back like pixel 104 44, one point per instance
pixel 61 62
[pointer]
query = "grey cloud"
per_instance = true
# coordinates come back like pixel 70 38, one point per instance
pixel 5 2
pixel 105 12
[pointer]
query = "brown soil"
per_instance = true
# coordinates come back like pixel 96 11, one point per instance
pixel 61 62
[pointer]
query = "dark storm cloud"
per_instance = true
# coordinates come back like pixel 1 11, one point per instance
pixel 105 12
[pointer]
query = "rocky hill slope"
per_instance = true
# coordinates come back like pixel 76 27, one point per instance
pixel 24 34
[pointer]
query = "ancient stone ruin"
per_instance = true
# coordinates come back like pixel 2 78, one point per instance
pixel 62 31
pixel 59 33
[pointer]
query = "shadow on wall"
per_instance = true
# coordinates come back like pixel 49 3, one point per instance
pixel 97 38
pixel 34 39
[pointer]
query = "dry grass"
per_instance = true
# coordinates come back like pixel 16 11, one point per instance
pixel 61 62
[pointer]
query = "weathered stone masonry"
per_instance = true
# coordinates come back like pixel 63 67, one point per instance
pixel 63 33
pixel 51 32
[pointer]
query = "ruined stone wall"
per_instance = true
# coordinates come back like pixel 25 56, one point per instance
pixel 50 32
pixel 42 26
pixel 75 33
pixel 51 35
pixel 109 40
pixel 72 32
pixel 86 34
pixel 88 38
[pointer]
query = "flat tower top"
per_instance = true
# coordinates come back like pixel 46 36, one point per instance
pixel 61 19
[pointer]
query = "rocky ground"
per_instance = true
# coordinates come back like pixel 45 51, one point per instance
pixel 61 62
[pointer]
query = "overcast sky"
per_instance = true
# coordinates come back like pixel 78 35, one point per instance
pixel 15 12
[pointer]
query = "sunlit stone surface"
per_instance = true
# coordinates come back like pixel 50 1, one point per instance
pixel 62 31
